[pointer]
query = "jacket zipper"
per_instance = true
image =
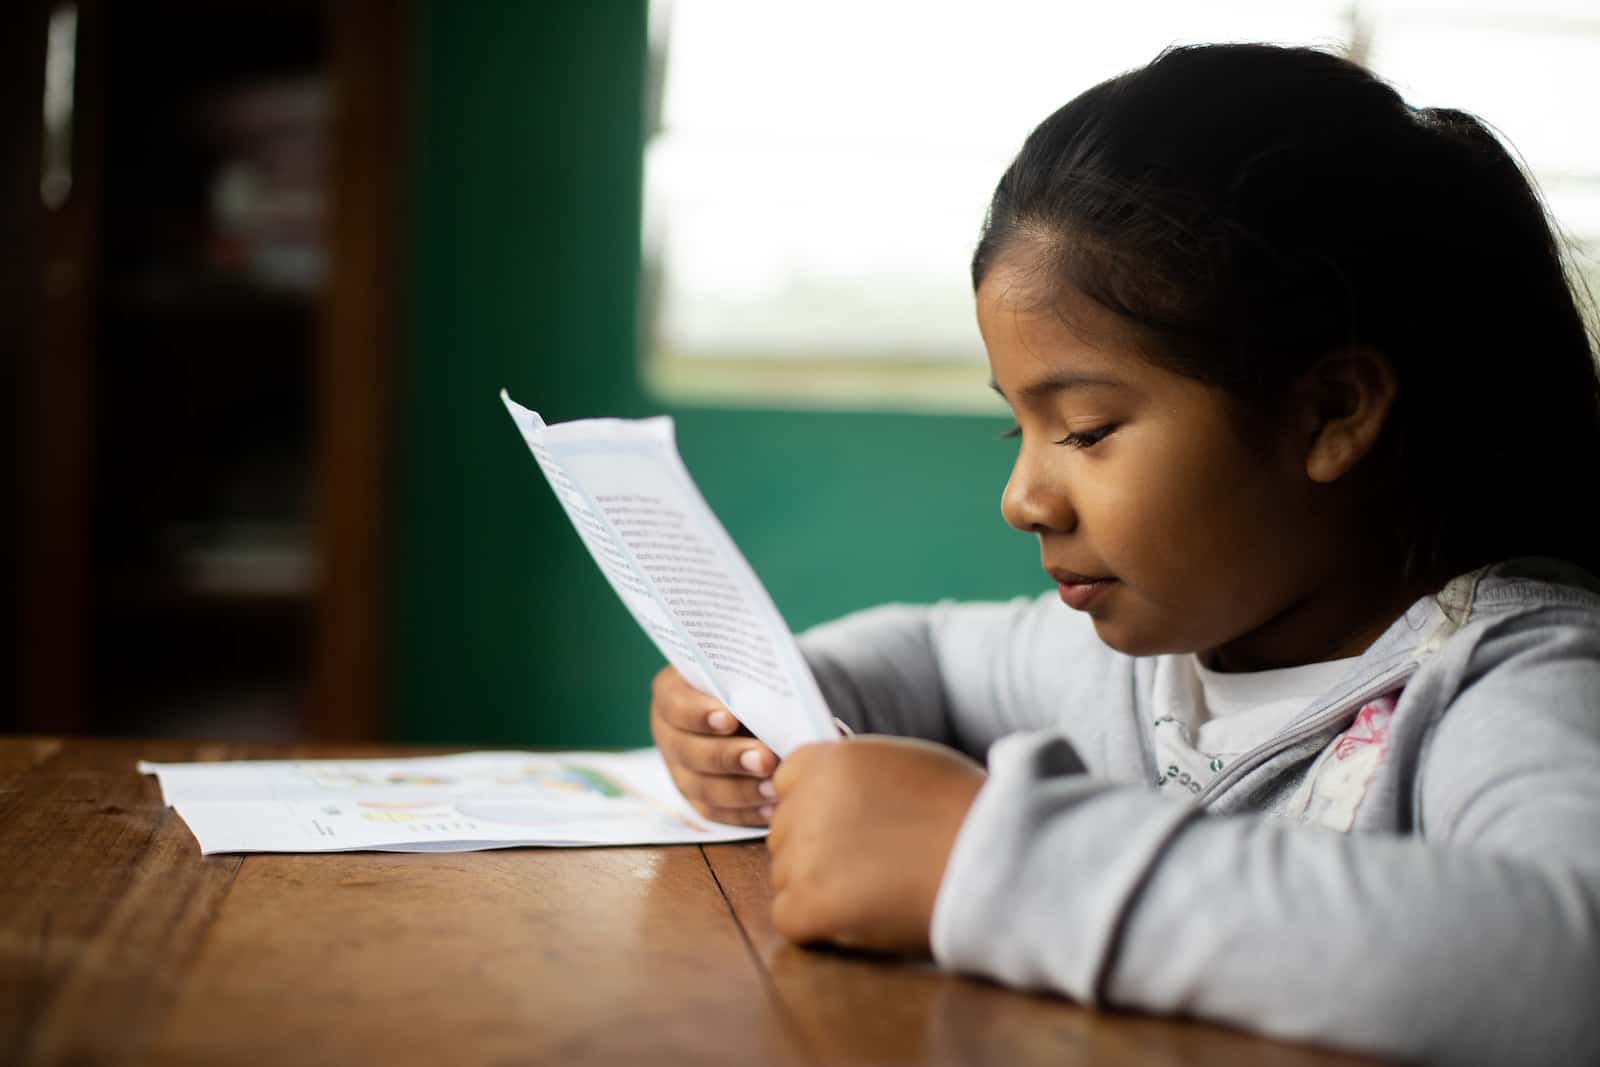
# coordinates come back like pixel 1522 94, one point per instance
pixel 1311 727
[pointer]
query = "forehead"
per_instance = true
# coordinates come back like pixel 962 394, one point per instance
pixel 1034 327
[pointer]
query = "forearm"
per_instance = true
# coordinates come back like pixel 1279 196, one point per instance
pixel 1114 895
pixel 965 675
pixel 878 671
pixel 1394 945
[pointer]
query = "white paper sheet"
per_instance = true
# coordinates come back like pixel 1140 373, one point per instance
pixel 633 503
pixel 459 803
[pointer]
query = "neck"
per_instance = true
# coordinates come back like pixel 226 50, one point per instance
pixel 1337 616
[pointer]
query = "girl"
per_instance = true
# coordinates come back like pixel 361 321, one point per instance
pixel 1309 436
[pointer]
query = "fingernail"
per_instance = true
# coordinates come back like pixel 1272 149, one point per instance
pixel 765 811
pixel 767 789
pixel 751 761
pixel 720 720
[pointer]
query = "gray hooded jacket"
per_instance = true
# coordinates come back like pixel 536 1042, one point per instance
pixel 1458 920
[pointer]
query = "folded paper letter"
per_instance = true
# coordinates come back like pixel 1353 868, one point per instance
pixel 632 501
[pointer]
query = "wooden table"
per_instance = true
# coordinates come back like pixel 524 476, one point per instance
pixel 121 943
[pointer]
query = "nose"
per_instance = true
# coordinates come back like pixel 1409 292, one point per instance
pixel 1032 502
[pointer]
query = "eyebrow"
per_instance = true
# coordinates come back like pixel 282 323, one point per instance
pixel 1055 383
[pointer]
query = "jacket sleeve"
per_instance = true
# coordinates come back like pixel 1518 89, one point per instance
pixel 1474 940
pixel 965 674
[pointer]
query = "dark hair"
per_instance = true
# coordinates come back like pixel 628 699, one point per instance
pixel 1251 208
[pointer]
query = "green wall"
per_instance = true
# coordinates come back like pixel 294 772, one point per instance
pixel 524 275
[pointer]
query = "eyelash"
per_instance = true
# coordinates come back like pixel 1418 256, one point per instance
pixel 1083 439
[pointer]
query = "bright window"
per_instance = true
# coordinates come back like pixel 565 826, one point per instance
pixel 817 173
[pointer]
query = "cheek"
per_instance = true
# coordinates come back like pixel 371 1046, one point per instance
pixel 1237 536
pixel 1188 525
pixel 1161 512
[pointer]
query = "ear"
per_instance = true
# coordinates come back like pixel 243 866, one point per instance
pixel 1347 398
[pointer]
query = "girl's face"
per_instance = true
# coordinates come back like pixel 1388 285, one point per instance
pixel 1153 514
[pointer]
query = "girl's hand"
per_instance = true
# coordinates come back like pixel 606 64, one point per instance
pixel 724 773
pixel 860 840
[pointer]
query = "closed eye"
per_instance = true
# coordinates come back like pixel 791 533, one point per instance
pixel 1087 438
pixel 1078 439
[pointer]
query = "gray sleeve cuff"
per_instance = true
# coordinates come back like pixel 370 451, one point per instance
pixel 1044 869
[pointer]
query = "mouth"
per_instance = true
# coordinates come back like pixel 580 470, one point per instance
pixel 1079 590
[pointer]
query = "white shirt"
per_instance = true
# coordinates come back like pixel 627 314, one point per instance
pixel 1206 718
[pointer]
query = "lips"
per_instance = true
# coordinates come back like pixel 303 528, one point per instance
pixel 1066 577
pixel 1079 590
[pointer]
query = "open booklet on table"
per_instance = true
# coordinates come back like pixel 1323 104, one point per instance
pixel 459 803
pixel 628 494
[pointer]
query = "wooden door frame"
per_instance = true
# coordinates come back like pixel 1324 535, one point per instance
pixel 360 345
pixel 61 267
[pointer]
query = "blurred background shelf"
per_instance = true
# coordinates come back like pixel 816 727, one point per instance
pixel 214 277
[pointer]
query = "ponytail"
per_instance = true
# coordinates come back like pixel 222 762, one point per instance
pixel 1522 379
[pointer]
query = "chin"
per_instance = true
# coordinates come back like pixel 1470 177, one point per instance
pixel 1131 641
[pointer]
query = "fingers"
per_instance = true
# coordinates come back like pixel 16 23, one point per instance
pixel 699 731
pixel 740 815
pixel 740 757
pixel 725 791
pixel 724 775
pixel 686 708
pixel 778 832
pixel 807 910
pixel 737 816
pixel 714 793
pixel 793 769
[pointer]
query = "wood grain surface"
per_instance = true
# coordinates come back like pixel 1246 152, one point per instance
pixel 120 943
pixel 858 1008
